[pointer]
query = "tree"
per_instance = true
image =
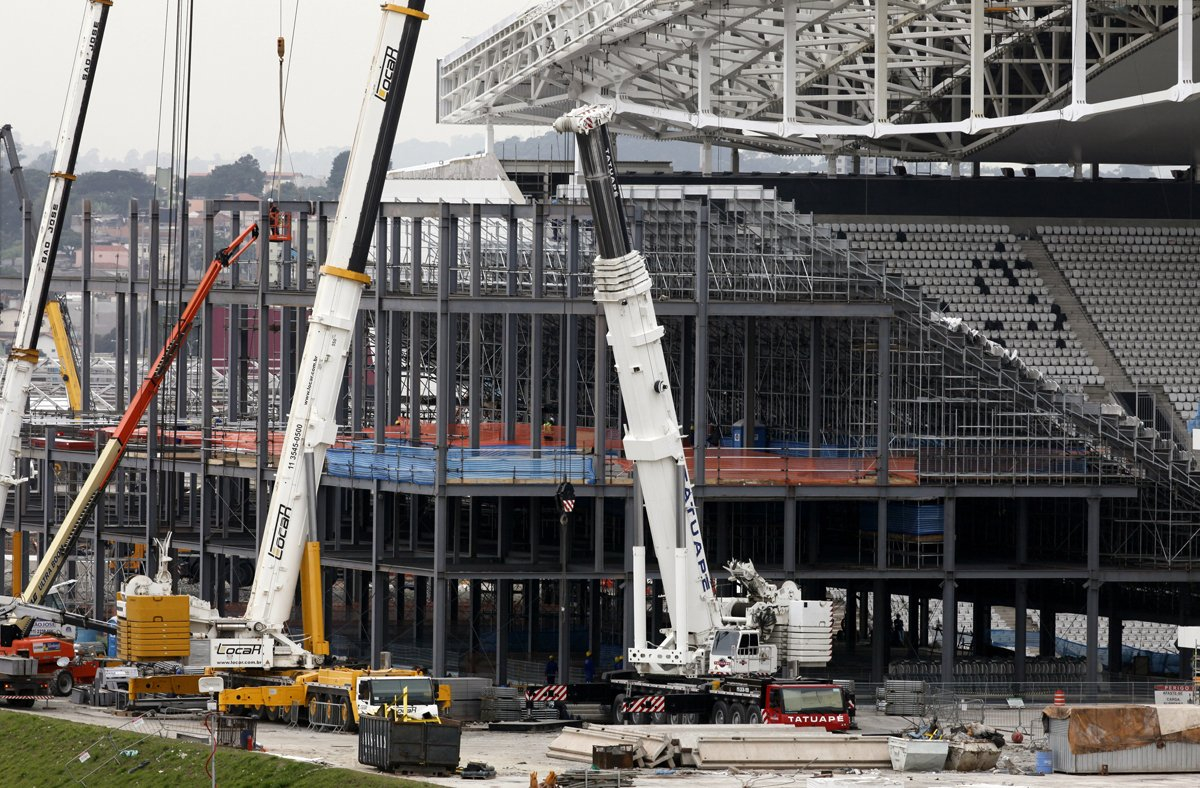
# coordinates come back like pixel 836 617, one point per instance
pixel 111 191
pixel 337 173
pixel 244 175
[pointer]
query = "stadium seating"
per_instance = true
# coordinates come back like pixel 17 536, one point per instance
pixel 978 273
pixel 1138 285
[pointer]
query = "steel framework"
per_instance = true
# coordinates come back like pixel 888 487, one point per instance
pixel 939 79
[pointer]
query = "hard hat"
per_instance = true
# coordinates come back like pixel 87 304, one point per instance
pixel 588 654
pixel 619 658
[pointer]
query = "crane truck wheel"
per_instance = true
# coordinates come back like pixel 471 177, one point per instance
pixel 737 714
pixel 753 715
pixel 618 716
pixel 659 718
pixel 62 682
pixel 720 713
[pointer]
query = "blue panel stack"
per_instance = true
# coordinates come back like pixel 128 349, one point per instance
pixel 396 461
pixel 908 519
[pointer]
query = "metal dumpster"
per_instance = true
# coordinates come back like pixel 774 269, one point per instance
pixel 425 747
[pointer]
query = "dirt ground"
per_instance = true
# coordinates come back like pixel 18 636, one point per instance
pixel 515 755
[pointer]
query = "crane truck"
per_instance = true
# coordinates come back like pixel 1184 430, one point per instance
pixel 723 659
pixel 23 356
pixel 265 666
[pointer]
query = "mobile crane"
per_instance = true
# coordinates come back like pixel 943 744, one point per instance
pixel 23 357
pixel 267 664
pixel 721 656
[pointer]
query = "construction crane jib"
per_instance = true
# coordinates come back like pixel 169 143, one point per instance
pixel 23 357
pixel 653 439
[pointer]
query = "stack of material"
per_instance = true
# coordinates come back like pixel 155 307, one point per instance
pixel 593 778
pixel 649 749
pixel 466 696
pixel 498 704
pixel 904 698
pixel 18 666
pixel 152 628
pixel 724 746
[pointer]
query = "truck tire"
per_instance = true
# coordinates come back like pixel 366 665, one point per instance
pixel 720 713
pixel 737 714
pixel 618 716
pixel 753 715
pixel 62 682
pixel 659 718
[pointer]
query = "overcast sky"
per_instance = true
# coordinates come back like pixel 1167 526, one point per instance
pixel 234 71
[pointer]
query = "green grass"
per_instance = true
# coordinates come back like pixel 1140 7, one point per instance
pixel 43 752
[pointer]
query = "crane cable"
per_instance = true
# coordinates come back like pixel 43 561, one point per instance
pixel 285 72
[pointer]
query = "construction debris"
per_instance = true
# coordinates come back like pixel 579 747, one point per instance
pixel 724 746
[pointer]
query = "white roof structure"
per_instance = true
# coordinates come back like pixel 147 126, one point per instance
pixel 939 79
pixel 478 178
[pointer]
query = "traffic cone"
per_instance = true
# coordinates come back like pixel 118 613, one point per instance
pixel 1060 698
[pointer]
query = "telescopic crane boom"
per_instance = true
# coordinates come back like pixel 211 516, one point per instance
pixel 769 627
pixel 258 639
pixel 14 164
pixel 652 436
pixel 23 357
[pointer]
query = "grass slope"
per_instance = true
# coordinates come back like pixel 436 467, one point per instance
pixel 43 752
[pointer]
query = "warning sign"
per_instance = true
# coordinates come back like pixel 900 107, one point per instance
pixel 1172 693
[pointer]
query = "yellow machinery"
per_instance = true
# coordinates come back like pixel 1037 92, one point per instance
pixel 60 329
pixel 337 697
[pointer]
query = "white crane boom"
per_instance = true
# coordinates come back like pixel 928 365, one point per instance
pixel 652 435
pixel 23 357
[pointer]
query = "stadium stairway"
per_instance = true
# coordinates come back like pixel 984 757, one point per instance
pixel 1115 378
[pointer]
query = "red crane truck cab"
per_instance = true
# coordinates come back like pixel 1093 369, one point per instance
pixel 808 706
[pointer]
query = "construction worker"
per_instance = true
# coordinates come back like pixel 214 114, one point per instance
pixel 551 670
pixel 589 668
pixel 619 662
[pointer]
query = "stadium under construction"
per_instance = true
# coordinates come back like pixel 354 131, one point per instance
pixel 913 394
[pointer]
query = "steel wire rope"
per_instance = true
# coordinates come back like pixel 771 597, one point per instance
pixel 175 255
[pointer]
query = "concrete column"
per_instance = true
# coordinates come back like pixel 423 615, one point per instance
pixel 1020 634
pixel 420 601
pixel 881 638
pixel 1047 632
pixel 949 595
pixel 504 594
pixel 1093 590
pixel 1115 641
pixel 981 628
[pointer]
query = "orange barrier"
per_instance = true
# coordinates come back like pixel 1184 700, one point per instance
pixel 721 465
